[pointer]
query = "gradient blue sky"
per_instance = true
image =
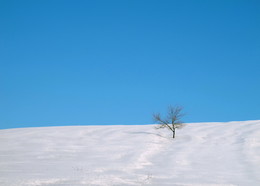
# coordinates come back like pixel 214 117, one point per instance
pixel 117 62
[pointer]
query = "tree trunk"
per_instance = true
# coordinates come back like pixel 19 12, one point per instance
pixel 173 133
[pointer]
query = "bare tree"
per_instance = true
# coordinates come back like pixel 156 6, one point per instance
pixel 172 120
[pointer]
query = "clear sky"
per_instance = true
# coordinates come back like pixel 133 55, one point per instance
pixel 94 62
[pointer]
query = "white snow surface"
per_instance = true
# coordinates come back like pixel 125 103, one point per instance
pixel 202 154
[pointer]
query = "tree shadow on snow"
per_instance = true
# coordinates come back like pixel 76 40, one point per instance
pixel 148 133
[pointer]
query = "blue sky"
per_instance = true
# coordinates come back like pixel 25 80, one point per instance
pixel 118 62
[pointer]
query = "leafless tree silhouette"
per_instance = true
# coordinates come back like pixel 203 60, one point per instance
pixel 172 120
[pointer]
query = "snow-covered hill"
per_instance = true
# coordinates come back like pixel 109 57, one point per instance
pixel 201 154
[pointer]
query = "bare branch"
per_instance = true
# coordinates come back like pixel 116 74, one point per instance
pixel 162 123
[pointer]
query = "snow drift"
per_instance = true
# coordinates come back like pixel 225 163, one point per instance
pixel 201 154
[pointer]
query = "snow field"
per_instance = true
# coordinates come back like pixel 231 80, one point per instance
pixel 202 154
